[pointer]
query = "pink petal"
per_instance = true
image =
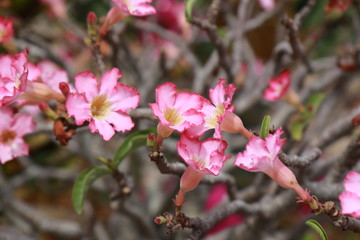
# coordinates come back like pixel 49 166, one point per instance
pixel 5 118
pixel 109 80
pixel 352 182
pixel 274 143
pixel 23 124
pixel 165 95
pixel 267 4
pixel 124 97
pixel 230 221
pixel 5 153
pixel 185 101
pixel 19 148
pixel 78 107
pixel 350 204
pixel 85 82
pixel 221 93
pixel 121 121
pixel 136 7
pixel 217 194
pixel 103 128
pixel 34 72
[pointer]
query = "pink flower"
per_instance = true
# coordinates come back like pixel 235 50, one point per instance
pixel 278 86
pixel 43 84
pixel 6 29
pixel 176 111
pixel 216 197
pixel 202 157
pixel 350 198
pixel 135 7
pixel 12 130
pixel 52 76
pixel 214 111
pixel 261 156
pixel 103 104
pixel 268 5
pixel 114 15
pixel 13 77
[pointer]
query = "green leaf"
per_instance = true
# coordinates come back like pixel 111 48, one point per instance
pixel 303 119
pixel 132 142
pixel 318 228
pixel 296 130
pixel 265 126
pixel 84 182
pixel 188 9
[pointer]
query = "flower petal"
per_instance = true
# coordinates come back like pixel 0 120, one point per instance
pixel 85 82
pixel 124 97
pixel 103 128
pixel 78 107
pixel 121 121
pixel 109 80
pixel 350 204
pixel 23 124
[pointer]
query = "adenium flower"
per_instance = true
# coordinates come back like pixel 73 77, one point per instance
pixel 12 129
pixel 261 156
pixel 135 7
pixel 6 29
pixel 278 86
pixel 214 111
pixel 13 77
pixel 43 84
pixel 103 104
pixel 202 157
pixel 350 198
pixel 176 111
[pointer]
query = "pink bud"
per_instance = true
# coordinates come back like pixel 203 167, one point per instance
pixel 232 123
pixel 91 18
pixel 64 88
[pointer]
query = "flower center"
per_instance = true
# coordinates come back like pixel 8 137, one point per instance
pixel 200 161
pixel 100 106
pixel 7 136
pixel 212 121
pixel 173 116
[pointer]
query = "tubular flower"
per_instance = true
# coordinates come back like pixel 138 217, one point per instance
pixel 43 84
pixel 12 129
pixel 135 7
pixel 6 29
pixel 202 157
pixel 214 111
pixel 13 77
pixel 278 86
pixel 103 104
pixel 176 111
pixel 261 156
pixel 350 198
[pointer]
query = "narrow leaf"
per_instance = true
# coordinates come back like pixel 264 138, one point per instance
pixel 132 142
pixel 265 126
pixel 188 9
pixel 84 182
pixel 318 228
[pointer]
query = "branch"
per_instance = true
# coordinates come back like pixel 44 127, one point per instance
pixel 300 161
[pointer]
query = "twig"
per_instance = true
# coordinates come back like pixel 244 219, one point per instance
pixel 210 29
pixel 300 161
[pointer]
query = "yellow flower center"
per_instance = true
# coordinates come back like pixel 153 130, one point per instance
pixel 212 121
pixel 7 136
pixel 100 106
pixel 173 116
pixel 201 163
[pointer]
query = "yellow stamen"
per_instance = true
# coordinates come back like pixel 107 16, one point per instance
pixel 100 106
pixel 212 121
pixel 173 116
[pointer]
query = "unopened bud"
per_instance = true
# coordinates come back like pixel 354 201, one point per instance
pixel 64 88
pixel 150 141
pixel 160 220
